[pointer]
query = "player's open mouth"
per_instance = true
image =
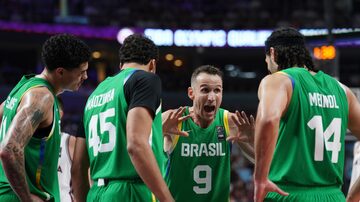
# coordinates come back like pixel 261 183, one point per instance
pixel 209 108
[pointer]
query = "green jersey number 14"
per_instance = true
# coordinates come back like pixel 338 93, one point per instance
pixel 321 136
pixel 94 139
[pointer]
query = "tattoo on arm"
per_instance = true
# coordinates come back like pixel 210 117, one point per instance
pixel 31 112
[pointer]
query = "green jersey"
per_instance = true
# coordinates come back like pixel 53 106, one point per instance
pixel 199 165
pixel 41 154
pixel 105 130
pixel 310 146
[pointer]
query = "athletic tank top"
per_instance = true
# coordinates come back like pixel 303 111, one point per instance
pixel 198 167
pixel 41 155
pixel 310 146
pixel 105 129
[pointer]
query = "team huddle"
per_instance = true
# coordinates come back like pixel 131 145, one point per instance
pixel 128 149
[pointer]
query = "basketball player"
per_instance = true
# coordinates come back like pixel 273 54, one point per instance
pixel 65 160
pixel 123 129
pixel 300 126
pixel 198 167
pixel 30 129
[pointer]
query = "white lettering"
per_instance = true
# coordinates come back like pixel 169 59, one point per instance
pixel 10 102
pixel 184 149
pixel 100 100
pixel 202 149
pixel 212 147
pixel 194 150
pixel 323 101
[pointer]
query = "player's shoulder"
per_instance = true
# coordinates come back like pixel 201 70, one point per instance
pixel 39 94
pixel 144 75
pixel 277 78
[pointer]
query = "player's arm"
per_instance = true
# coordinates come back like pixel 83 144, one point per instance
pixel 270 110
pixel 35 108
pixel 354 127
pixel 242 131
pixel 80 166
pixel 143 93
pixel 138 145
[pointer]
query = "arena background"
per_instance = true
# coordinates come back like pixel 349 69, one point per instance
pixel 226 33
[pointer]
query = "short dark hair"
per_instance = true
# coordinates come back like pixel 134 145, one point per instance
pixel 290 48
pixel 139 49
pixel 208 69
pixel 64 50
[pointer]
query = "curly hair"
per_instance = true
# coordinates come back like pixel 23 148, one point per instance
pixel 208 69
pixel 64 50
pixel 139 49
pixel 290 49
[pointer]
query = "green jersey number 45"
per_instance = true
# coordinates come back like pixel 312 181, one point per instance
pixel 105 127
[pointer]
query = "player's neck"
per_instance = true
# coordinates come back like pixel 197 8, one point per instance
pixel 46 75
pixel 203 123
pixel 134 65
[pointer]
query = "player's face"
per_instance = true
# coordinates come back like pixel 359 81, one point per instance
pixel 206 95
pixel 75 77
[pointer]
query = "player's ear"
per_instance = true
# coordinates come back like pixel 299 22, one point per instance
pixel 191 93
pixel 152 66
pixel 59 71
pixel 272 54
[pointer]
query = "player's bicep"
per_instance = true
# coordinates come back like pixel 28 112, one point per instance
pixel 35 107
pixel 274 96
pixel 135 116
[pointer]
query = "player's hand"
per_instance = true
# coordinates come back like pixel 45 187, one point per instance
pixel 170 124
pixel 262 188
pixel 35 198
pixel 246 128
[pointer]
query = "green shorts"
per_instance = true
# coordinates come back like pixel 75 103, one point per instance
pixel 116 190
pixel 308 194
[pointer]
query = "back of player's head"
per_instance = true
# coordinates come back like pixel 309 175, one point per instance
pixel 138 49
pixel 290 48
pixel 208 69
pixel 64 50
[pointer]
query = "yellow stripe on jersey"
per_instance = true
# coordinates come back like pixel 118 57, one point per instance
pixel 153 199
pixel 226 122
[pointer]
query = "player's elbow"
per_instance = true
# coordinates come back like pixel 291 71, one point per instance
pixel 5 154
pixel 134 146
pixel 268 121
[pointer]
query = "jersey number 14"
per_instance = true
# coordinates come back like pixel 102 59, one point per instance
pixel 321 137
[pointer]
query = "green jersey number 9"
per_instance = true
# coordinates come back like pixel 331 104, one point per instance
pixel 204 180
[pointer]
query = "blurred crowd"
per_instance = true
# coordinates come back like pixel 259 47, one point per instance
pixel 196 14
